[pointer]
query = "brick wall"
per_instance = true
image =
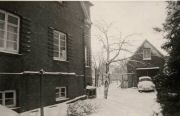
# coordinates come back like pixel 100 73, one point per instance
pixel 37 21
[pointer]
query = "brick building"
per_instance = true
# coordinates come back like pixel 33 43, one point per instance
pixel 44 53
pixel 146 61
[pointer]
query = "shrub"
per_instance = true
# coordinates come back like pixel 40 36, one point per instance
pixel 81 108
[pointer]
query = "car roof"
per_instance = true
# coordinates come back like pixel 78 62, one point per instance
pixel 144 77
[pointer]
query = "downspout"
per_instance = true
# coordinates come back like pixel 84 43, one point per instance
pixel 84 71
pixel 87 22
pixel 41 92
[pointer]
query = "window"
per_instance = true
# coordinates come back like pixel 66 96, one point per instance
pixel 59 44
pixel 9 32
pixel 87 62
pixel 60 93
pixel 147 54
pixel 8 98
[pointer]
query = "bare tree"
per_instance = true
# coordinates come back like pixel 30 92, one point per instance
pixel 95 67
pixel 98 67
pixel 113 44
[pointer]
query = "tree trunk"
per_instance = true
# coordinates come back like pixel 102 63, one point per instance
pixel 102 81
pixel 96 77
pixel 106 82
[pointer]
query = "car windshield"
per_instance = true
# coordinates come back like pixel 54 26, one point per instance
pixel 145 79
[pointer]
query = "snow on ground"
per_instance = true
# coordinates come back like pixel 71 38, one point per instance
pixel 4 111
pixel 120 102
pixel 125 102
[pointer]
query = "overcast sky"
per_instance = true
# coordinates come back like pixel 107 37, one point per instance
pixel 131 17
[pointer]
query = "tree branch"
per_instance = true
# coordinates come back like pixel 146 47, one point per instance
pixel 117 54
pixel 122 49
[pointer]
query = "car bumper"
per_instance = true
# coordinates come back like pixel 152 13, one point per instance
pixel 146 89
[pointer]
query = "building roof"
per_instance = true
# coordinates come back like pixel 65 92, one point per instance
pixel 154 49
pixel 85 10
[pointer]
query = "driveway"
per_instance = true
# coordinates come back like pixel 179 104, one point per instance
pixel 126 102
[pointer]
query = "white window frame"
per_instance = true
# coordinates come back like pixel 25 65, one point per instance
pixel 61 97
pixel 144 58
pixel 4 49
pixel 4 98
pixel 59 46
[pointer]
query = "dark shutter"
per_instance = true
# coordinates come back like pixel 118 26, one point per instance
pixel 25 35
pixel 50 42
pixel 69 47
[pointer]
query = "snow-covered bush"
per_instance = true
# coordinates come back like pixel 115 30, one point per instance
pixel 7 112
pixel 157 110
pixel 81 108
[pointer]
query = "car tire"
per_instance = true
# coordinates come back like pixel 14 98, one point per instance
pixel 140 91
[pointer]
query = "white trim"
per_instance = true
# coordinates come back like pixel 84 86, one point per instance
pixel 62 99
pixel 80 75
pixel 63 73
pixel 5 49
pixel 8 52
pixel 56 59
pixel 7 73
pixel 148 68
pixel 75 99
pixel 37 72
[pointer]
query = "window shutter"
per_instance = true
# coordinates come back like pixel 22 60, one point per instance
pixel 25 35
pixel 50 42
pixel 69 47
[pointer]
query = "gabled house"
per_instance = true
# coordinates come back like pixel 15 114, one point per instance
pixel 146 61
pixel 45 53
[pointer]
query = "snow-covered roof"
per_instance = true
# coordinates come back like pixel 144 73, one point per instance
pixel 147 44
pixel 90 87
pixel 144 77
pixel 88 19
pixel 7 112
